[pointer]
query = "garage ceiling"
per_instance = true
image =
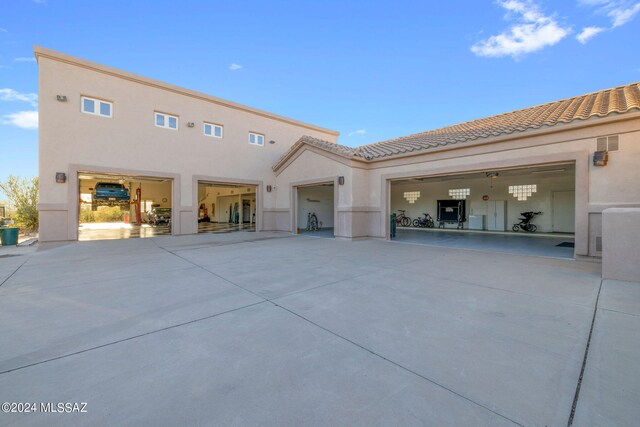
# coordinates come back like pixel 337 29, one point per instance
pixel 117 178
pixel 567 169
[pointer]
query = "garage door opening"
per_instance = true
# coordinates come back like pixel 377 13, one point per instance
pixel 315 210
pixel 123 206
pixel 224 208
pixel 528 210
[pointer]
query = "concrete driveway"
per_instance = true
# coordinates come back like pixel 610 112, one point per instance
pixel 274 329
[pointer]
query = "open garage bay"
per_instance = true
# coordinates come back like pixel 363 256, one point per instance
pixel 123 206
pixel 527 210
pixel 225 207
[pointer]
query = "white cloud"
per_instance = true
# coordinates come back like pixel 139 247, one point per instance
pixel 618 11
pixel 24 59
pixel 358 132
pixel 22 119
pixel 621 15
pixel 7 94
pixel 234 66
pixel 533 31
pixel 588 33
pixel 3 30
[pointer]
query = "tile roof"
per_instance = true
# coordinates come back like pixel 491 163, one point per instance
pixel 620 99
pixel 341 150
pixel 597 104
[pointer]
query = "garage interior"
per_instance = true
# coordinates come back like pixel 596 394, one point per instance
pixel 144 212
pixel 315 210
pixel 481 210
pixel 224 208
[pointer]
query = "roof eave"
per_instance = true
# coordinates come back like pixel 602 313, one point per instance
pixel 302 144
pixel 558 127
pixel 42 52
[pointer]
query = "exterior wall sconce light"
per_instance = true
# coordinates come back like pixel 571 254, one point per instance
pixel 272 142
pixel 269 188
pixel 600 158
pixel 61 98
pixel 61 177
pixel 190 124
pixel 341 180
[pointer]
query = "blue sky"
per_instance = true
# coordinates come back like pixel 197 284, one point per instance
pixel 371 70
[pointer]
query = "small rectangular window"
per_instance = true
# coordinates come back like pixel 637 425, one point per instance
pixel 166 121
pixel 213 130
pixel 256 139
pixel 96 107
pixel 105 109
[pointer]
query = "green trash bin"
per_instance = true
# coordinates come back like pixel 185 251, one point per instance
pixel 9 236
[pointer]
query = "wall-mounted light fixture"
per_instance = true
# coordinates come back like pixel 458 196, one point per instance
pixel 61 98
pixel 190 124
pixel 600 158
pixel 341 180
pixel 61 177
pixel 272 142
pixel 268 189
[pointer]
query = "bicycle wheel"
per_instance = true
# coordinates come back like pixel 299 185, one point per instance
pixel 531 228
pixel 416 223
pixel 515 227
pixel 406 221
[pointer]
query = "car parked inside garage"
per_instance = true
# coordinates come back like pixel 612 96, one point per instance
pixel 110 194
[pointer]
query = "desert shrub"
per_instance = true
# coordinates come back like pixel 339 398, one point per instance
pixel 23 197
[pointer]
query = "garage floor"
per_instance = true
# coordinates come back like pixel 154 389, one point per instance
pixel 178 330
pixel 119 230
pixel 223 227
pixel 509 242
pixel 327 233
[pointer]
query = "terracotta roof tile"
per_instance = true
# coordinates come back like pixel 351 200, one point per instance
pixel 597 104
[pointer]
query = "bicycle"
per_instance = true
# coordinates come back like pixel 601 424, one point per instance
pixel 403 219
pixel 426 222
pixel 525 222
pixel 312 222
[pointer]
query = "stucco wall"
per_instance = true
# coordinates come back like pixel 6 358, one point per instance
pixel 365 198
pixel 596 187
pixel 129 141
pixel 313 167
pixel 620 244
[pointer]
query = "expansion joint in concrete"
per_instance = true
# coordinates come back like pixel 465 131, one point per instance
pixel 584 360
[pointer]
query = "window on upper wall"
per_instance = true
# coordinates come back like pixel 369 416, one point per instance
pixel 213 130
pixel 166 121
pixel 97 107
pixel 256 139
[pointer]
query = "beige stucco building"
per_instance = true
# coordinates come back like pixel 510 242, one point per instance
pixel 540 158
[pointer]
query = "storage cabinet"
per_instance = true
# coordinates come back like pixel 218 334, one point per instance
pixel 476 222
pixel 496 215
